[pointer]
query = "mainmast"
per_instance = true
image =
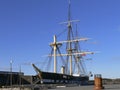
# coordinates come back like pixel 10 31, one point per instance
pixel 69 44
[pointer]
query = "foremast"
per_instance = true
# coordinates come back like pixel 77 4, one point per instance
pixel 55 46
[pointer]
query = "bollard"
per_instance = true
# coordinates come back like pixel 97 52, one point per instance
pixel 98 82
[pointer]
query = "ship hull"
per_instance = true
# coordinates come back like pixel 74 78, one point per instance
pixel 57 78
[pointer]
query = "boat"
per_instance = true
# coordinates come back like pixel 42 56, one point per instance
pixel 71 57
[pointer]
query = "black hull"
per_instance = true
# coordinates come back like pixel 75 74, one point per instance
pixel 57 78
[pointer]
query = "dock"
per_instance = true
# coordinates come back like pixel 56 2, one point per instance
pixel 91 87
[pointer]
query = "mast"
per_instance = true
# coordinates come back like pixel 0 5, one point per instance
pixel 70 39
pixel 69 44
pixel 72 52
pixel 55 45
pixel 55 49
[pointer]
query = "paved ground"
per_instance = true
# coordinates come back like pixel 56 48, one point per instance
pixel 112 87
pixel 74 88
pixel 107 87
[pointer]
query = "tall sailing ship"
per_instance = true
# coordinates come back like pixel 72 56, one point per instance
pixel 71 57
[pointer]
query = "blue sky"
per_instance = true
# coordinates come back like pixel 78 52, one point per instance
pixel 27 27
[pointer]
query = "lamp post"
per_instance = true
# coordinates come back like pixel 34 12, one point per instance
pixel 11 73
